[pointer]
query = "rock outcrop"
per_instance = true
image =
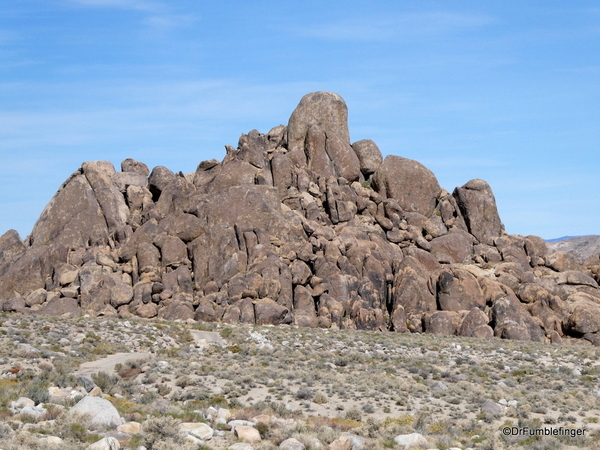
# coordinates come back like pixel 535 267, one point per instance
pixel 297 226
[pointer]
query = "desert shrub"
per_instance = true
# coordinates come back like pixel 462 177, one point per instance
pixel 344 424
pixel 6 432
pixel 320 398
pixel 183 381
pixel 279 409
pixel 8 389
pixel 150 378
pixel 421 421
pixel 341 362
pixel 163 389
pixel 226 332
pixel 235 348
pixel 327 435
pixel 263 429
pixel 29 441
pixel 104 348
pixel 125 406
pixel 389 443
pixel 130 387
pixel 393 426
pixel 38 392
pixel 72 427
pixel 105 381
pixel 161 432
pixel 62 375
pixel 147 398
pixel 53 412
pixel 353 414
pixel 304 394
pixel 368 408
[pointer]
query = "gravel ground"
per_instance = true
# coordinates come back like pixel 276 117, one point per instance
pixel 313 384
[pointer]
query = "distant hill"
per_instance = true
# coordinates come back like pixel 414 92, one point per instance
pixel 582 247
pixel 564 238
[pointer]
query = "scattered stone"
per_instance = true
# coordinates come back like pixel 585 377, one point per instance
pixel 130 428
pixel 411 440
pixel 358 442
pixel 53 441
pixel 86 383
pixel 292 444
pixel 198 430
pixel 102 412
pixel 247 433
pixel 107 443
pixel 491 407
pixel 22 402
pixel 236 423
pixel 341 443
pixel 240 446
pixel 34 411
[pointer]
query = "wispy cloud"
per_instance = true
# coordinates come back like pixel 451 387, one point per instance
pixel 169 21
pixel 381 28
pixel 138 5
pixel 159 16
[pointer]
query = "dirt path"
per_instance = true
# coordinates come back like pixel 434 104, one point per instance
pixel 108 364
pixel 202 338
pixel 207 337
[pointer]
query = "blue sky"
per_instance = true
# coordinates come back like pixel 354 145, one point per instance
pixel 504 91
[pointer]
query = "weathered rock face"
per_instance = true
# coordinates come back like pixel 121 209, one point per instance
pixel 324 109
pixel 411 184
pixel 458 290
pixel 478 205
pixel 413 288
pixel 11 248
pixel 369 156
pixel 288 230
pixel 72 218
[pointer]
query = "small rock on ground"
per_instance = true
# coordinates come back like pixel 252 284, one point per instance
pixel 411 440
pixel 292 444
pixel 240 446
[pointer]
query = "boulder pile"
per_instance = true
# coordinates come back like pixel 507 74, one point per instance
pixel 297 226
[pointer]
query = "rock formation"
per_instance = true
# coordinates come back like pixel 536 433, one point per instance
pixel 297 226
